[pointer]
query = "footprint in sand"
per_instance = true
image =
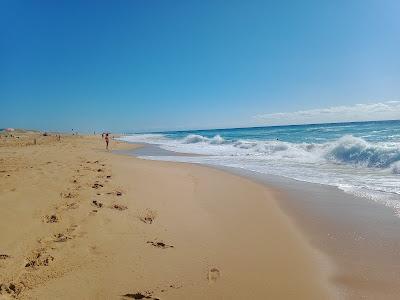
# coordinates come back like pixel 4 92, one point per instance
pixel 38 259
pixel 213 275
pixel 148 216
pixel 60 237
pixel 97 185
pixel 65 236
pixel 97 203
pixel 161 245
pixel 72 205
pixel 68 195
pixel 10 289
pixel 94 162
pixel 141 295
pixel 117 193
pixel 119 207
pixel 175 286
pixel 51 219
pixel 4 256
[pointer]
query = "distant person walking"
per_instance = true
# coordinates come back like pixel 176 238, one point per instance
pixel 107 140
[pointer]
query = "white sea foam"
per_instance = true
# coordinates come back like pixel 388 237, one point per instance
pixel 346 150
pixel 365 169
pixel 352 150
pixel 150 138
pixel 195 138
pixel 396 167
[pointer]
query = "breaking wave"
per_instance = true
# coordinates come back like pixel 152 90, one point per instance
pixel 357 151
pixel 362 159
pixel 195 138
pixel 347 150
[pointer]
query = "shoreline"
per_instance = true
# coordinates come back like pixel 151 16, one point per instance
pixel 318 262
pixel 198 244
pixel 358 235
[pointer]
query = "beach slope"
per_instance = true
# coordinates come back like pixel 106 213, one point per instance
pixel 80 222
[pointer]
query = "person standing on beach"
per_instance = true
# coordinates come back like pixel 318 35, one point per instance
pixel 107 140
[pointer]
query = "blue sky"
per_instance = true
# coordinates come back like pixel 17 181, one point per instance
pixel 151 65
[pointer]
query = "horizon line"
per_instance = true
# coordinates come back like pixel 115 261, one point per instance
pixel 266 126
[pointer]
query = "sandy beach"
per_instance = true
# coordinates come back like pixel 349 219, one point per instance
pixel 79 222
pixel 200 150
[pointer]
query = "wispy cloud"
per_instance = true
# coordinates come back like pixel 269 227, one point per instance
pixel 346 113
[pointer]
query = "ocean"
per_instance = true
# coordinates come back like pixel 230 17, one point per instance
pixel 361 158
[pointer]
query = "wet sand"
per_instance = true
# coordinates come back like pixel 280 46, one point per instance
pixel 358 235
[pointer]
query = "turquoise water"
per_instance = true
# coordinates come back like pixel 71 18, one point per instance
pixel 316 133
pixel 362 158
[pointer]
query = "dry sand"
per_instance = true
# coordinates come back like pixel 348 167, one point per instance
pixel 78 222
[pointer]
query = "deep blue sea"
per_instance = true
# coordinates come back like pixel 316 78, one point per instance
pixel 362 158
